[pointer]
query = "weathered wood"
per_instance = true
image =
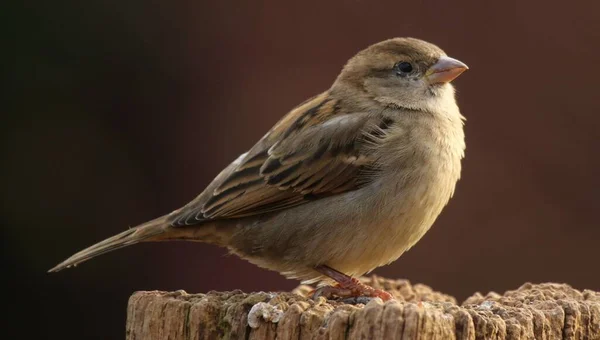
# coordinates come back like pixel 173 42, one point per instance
pixel 533 311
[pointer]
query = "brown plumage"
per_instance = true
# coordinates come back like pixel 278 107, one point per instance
pixel 349 179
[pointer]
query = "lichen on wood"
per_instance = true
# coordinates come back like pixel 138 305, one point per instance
pixel 533 311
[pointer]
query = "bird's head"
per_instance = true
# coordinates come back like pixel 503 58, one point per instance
pixel 406 72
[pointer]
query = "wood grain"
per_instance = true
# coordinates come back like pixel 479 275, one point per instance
pixel 533 311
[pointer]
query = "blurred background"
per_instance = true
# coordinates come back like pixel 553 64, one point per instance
pixel 121 111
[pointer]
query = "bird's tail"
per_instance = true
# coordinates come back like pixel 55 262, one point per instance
pixel 144 232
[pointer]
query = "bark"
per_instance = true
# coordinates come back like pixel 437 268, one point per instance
pixel 533 311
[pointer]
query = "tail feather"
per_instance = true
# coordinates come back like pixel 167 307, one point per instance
pixel 131 236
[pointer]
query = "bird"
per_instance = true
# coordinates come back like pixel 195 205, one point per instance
pixel 344 183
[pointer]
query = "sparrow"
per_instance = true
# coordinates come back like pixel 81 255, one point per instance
pixel 344 183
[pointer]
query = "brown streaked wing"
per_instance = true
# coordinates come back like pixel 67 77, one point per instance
pixel 301 159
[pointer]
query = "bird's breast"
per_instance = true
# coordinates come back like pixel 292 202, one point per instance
pixel 418 181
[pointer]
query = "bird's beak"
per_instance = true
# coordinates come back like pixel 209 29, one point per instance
pixel 445 70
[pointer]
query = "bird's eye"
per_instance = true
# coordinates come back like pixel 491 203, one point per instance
pixel 404 67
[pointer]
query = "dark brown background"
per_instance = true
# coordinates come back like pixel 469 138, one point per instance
pixel 120 111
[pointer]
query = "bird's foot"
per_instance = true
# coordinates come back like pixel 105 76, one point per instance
pixel 347 287
pixel 353 291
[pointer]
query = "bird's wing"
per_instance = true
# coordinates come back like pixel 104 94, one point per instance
pixel 313 152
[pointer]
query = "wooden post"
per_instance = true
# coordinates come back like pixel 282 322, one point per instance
pixel 533 311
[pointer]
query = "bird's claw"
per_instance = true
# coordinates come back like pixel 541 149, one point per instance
pixel 354 292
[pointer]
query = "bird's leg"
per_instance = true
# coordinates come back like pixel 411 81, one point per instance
pixel 347 286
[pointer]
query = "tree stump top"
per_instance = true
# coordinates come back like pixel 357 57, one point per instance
pixel 533 311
